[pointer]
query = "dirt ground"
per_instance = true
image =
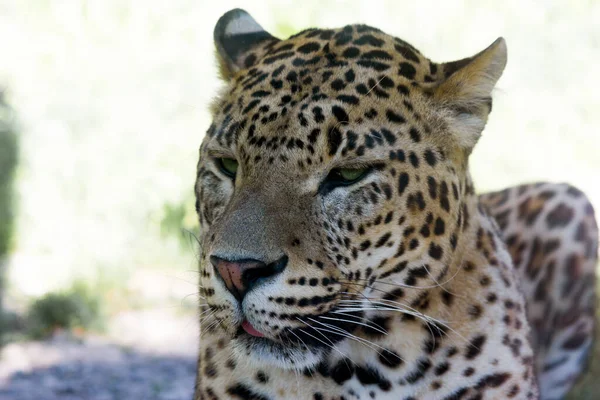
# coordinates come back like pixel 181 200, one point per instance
pixel 146 355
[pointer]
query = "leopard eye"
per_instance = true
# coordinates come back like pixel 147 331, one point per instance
pixel 351 174
pixel 343 177
pixel 228 166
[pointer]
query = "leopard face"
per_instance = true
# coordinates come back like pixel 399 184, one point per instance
pixel 334 171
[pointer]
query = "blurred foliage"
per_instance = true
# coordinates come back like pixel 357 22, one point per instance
pixel 12 327
pixel 8 164
pixel 77 308
pixel 180 220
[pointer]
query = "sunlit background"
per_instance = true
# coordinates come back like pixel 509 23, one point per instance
pixel 103 109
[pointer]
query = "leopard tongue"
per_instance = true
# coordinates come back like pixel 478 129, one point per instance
pixel 247 326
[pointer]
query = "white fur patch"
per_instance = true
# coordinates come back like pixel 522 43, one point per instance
pixel 260 351
pixel 242 25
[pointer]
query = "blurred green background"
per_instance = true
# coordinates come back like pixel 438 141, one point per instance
pixel 108 100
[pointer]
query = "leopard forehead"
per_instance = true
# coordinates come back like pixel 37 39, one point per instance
pixel 298 59
pixel 326 82
pixel 356 76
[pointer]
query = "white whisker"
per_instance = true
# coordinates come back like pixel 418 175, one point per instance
pixel 356 323
pixel 389 307
pixel 347 334
pixel 332 346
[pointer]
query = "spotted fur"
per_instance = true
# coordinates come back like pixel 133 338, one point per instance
pixel 399 285
pixel 552 237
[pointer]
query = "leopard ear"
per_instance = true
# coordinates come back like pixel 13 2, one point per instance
pixel 465 91
pixel 236 36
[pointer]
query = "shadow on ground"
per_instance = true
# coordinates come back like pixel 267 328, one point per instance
pixel 70 370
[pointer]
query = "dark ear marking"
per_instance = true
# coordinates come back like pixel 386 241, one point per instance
pixel 236 35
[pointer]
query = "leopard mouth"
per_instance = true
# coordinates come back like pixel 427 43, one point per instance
pixel 317 332
pixel 249 334
pixel 279 353
pixel 250 330
pixel 299 347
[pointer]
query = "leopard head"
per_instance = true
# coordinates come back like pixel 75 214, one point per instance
pixel 332 182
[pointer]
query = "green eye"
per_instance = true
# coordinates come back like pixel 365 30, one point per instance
pixel 343 177
pixel 228 166
pixel 351 174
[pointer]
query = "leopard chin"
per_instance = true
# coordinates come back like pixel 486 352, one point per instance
pixel 266 352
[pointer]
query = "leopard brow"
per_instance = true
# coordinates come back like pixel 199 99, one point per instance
pixel 371 160
pixel 220 153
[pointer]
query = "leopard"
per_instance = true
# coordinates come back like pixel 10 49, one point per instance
pixel 344 251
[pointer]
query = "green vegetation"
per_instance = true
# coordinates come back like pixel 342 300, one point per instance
pixel 180 221
pixel 78 308
pixel 8 165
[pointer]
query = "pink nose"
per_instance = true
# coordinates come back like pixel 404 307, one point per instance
pixel 240 276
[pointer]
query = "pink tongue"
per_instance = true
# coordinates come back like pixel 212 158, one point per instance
pixel 247 326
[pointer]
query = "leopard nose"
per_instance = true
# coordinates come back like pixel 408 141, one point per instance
pixel 240 276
